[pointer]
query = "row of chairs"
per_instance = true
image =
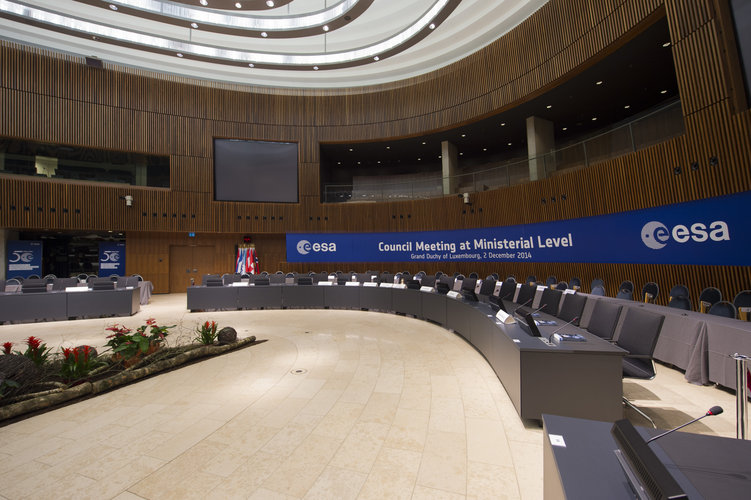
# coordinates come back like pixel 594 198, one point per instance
pixel 82 278
pixel 41 285
pixel 710 299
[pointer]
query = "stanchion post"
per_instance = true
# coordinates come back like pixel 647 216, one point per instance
pixel 741 395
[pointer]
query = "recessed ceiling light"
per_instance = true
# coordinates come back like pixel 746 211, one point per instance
pixel 238 5
pixel 599 82
pixel 270 3
pixel 626 106
pixel 251 65
pixel 379 161
pixel 113 7
pixel 194 26
pixel 264 34
pixel 484 149
pixel 663 92
pixel 431 26
pixel 423 143
pixel 509 144
pixel 503 124
pixel 564 128
pixel 204 2
pixel 419 159
pixel 666 44
pixel 439 156
pixel 325 27
pixel 464 135
pixel 179 54
pixel 338 163
pixel 376 58
pixel 460 154
pixel 351 149
pixel 549 106
pixel 358 162
pixel 388 147
pixel 594 118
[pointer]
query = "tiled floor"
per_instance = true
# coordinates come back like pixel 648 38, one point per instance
pixel 386 407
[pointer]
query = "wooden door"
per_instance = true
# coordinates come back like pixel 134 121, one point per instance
pixel 186 262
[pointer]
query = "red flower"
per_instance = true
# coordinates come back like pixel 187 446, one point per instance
pixel 66 352
pixel 6 347
pixel 151 322
pixel 33 342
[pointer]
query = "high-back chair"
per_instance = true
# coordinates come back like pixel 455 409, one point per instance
pixel 709 297
pixel 742 303
pixel 650 291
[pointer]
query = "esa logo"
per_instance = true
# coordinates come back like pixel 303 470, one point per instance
pixel 21 256
pixel 304 247
pixel 656 235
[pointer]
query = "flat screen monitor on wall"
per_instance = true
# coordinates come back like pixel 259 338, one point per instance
pixel 255 171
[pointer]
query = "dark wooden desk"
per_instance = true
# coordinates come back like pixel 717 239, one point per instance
pixel 704 466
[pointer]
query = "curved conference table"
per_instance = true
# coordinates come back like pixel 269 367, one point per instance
pixel 576 379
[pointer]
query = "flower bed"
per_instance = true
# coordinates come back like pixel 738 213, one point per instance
pixel 38 379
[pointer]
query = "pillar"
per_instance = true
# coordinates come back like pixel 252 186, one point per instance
pixel 449 165
pixel 540 141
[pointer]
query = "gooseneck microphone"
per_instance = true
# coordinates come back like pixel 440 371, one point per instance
pixel 538 310
pixel 715 410
pixel 563 326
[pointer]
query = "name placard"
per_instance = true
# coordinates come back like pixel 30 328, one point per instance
pixel 454 295
pixel 325 283
pixel 505 317
pixel 427 289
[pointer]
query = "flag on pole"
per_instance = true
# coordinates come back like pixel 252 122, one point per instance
pixel 247 260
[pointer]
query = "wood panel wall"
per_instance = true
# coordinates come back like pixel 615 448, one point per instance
pixel 57 98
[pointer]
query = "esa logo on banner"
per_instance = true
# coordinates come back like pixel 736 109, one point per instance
pixel 656 235
pixel 304 247
pixel 111 258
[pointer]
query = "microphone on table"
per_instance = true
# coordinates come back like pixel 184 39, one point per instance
pixel 527 302
pixel 563 326
pixel 715 410
pixel 538 310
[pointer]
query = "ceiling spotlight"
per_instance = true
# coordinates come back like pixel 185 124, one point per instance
pixel 388 147
pixel 431 26
pixel 251 65
pixel 564 128
pixel 509 144
pixel 503 124
pixel 599 82
pixel 666 44
pixel 626 106
pixel 376 58
pixel 325 27
pixel 424 143
pixel 419 159
pixel 549 106
pixel 270 3
pixel 464 135
pixel 594 118
pixel 113 7
pixel 379 161
pixel 194 26
pixel 351 149
pixel 179 54
pixel 663 92
pixel 264 34
pixel 460 154
pixel 484 149
pixel 238 5
pixel 204 2
pixel 440 156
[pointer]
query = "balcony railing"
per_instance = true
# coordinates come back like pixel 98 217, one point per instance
pixel 657 126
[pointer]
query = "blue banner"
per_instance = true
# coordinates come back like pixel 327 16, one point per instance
pixel 111 259
pixel 713 231
pixel 24 259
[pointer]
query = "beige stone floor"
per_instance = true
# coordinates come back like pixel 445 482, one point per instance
pixel 386 407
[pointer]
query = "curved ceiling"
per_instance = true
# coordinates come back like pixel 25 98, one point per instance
pixel 269 43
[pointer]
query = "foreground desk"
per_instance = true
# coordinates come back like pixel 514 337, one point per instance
pixel 60 305
pixel 704 466
pixel 575 379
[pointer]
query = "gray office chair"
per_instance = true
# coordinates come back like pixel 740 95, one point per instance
pixel 650 291
pixel 572 308
pixel 532 279
pixel 474 275
pixel 576 283
pixel 742 303
pixel 639 334
pixel 550 301
pixel 526 294
pixel 597 282
pixel 598 290
pixel 680 303
pixel 709 297
pixel 626 291
pixel 261 281
pixel 551 281
pixel 562 286
pixel 723 308
pixel 604 319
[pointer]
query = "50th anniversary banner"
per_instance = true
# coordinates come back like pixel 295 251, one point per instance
pixel 706 232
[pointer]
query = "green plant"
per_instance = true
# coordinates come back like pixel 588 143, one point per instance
pixel 7 384
pixel 206 333
pixel 36 350
pixel 78 362
pixel 127 343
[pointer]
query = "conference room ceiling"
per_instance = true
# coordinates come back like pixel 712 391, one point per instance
pixel 633 80
pixel 273 43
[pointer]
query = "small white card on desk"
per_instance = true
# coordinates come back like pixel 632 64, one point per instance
pixel 428 289
pixel 557 440
pixel 387 285
pixel 569 291
pixel 76 289
pixel 541 288
pixel 238 283
pixel 370 283
pixel 352 283
pixel 401 286
pixel 325 283
pixel 129 288
pixel 505 317
pixel 454 295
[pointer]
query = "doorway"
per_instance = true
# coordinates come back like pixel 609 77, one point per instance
pixel 186 262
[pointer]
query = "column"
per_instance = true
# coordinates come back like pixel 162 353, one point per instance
pixel 449 164
pixel 540 141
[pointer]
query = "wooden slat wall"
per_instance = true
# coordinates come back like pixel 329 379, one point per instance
pixel 57 98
